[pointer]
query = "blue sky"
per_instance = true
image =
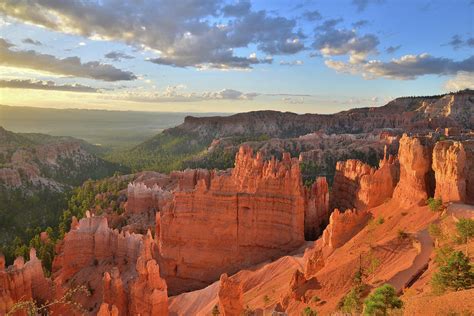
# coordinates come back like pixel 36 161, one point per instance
pixel 230 56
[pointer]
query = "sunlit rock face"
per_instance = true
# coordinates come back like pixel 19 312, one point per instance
pixel 357 185
pixel 250 214
pixel 22 281
pixel 120 268
pixel 416 176
pixel 453 166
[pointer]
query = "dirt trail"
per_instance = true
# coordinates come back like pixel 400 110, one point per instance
pixel 404 277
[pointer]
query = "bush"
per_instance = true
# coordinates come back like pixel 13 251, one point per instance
pixel 308 311
pixel 215 311
pixel 382 300
pixel 456 274
pixel 435 231
pixel 465 228
pixel 435 205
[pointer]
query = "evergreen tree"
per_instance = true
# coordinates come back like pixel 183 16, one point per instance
pixel 382 301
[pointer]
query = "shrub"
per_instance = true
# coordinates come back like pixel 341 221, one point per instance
pixel 308 311
pixel 382 301
pixel 456 274
pixel 465 228
pixel 215 311
pixel 435 231
pixel 381 220
pixel 266 300
pixel 435 205
pixel 402 234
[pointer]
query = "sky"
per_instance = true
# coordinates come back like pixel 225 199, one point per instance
pixel 320 56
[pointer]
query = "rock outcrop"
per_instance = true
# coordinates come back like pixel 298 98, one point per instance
pixel 452 164
pixel 416 176
pixel 22 281
pixel 230 296
pixel 343 226
pixel 120 269
pixel 357 185
pixel 238 219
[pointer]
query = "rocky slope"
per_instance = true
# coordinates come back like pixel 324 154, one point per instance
pixel 38 161
pixel 188 140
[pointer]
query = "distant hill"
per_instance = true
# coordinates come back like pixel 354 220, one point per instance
pixel 168 150
pixel 109 129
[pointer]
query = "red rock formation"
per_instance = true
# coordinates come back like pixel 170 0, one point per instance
pixel 114 295
pixel 449 164
pixel 416 178
pixel 357 185
pixel 316 209
pixel 378 186
pixel 22 281
pixel 230 296
pixel 141 198
pixel 343 226
pixel 238 219
pixel 120 268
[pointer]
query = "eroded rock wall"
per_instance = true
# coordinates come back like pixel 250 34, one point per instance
pixel 453 167
pixel 416 176
pixel 253 214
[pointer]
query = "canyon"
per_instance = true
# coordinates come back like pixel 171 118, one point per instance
pixel 258 238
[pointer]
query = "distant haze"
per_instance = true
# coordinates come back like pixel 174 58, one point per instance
pixel 110 129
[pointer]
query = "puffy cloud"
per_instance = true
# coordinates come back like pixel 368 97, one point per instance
pixel 229 94
pixel 392 49
pixel 116 56
pixel 463 80
pixel 291 63
pixel 31 41
pixel 312 15
pixel 71 66
pixel 361 5
pixel 182 32
pixel 406 67
pixel 44 85
pixel 331 41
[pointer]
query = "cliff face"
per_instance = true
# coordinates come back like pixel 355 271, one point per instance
pixel 120 268
pixel 316 214
pixel 357 185
pixel 416 176
pixel 230 296
pixel 453 166
pixel 343 226
pixel 22 281
pixel 250 215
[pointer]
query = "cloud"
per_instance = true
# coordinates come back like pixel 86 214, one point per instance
pixel 71 66
pixel 45 85
pixel 361 5
pixel 312 15
pixel 457 42
pixel 291 63
pixel 331 41
pixel 176 94
pixel 32 42
pixel 360 23
pixel 405 68
pixel 293 100
pixel 463 80
pixel 392 49
pixel 116 56
pixel 183 33
pixel 241 8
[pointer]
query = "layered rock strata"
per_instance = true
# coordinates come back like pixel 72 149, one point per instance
pixel 357 185
pixel 416 176
pixel 254 213
pixel 453 163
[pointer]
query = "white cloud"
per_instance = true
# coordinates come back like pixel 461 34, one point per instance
pixel 463 80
